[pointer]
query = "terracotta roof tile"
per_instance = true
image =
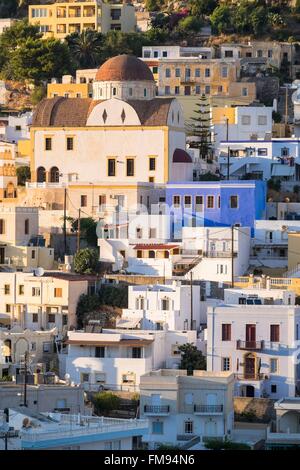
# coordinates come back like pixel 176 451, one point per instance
pixel 124 68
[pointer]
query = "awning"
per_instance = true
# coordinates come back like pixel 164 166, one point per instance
pixel 153 246
pixel 4 318
pixel 128 323
pixel 282 170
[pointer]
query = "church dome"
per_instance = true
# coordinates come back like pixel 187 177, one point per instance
pixel 124 68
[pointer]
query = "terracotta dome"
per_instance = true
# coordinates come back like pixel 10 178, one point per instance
pixel 124 68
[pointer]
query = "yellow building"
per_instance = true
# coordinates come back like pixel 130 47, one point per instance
pixel 293 250
pixel 8 176
pixel 263 282
pixel 221 114
pixel 61 19
pixel 69 90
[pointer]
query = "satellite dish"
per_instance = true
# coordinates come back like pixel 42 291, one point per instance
pixel 39 272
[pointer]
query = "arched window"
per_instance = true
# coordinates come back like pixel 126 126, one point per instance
pixel 151 254
pixel 2 226
pixel 10 190
pixel 41 174
pixel 114 91
pixel 54 175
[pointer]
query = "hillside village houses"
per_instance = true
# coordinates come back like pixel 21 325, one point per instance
pixel 112 144
pixel 255 335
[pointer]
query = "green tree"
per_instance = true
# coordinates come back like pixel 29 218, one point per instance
pixel 219 444
pixel 221 19
pixel 86 304
pixel 8 8
pixel 189 24
pixel 104 402
pixel 259 20
pixel 23 174
pixel 116 296
pixel 85 47
pixel 199 129
pixel 85 261
pixel 39 93
pixel 87 230
pixel 153 5
pixel 202 7
pixel 191 358
pixel 276 116
pixel 37 60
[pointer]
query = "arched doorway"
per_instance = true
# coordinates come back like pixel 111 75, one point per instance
pixel 21 347
pixel 54 175
pixel 10 190
pixel 7 351
pixel 41 174
pixel 250 369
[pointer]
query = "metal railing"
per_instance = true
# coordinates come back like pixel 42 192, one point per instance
pixel 219 254
pixel 156 409
pixel 250 376
pixel 83 426
pixel 208 409
pixel 249 345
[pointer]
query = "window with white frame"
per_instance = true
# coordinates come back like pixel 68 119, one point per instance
pixel 188 427
pixel 176 201
pixel 226 366
pixel 165 304
pixel 273 365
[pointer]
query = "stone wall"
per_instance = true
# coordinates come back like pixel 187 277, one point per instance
pixel 259 410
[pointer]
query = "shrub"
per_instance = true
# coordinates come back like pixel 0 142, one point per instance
pixel 106 401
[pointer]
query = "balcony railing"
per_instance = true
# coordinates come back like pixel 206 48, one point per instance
pixel 250 345
pixel 251 376
pixel 218 254
pixel 208 409
pixel 156 409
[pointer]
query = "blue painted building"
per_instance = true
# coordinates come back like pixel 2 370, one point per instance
pixel 215 204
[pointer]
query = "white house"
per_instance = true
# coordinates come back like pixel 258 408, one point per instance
pixel 215 245
pixel 116 359
pixel 250 123
pixel 258 342
pixel 186 409
pixel 56 431
pixel 165 307
pixel 18 127
pixel 38 302
pixel 269 247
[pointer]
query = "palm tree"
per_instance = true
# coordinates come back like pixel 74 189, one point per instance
pixel 85 47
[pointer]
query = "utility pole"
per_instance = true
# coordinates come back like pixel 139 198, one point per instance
pixel 232 256
pixel 78 229
pixel 65 221
pixel 192 312
pixel 228 149
pixel 25 378
pixel 286 107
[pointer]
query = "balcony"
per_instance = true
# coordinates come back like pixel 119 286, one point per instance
pixel 208 409
pixel 251 376
pixel 157 410
pixel 249 345
pixel 219 254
